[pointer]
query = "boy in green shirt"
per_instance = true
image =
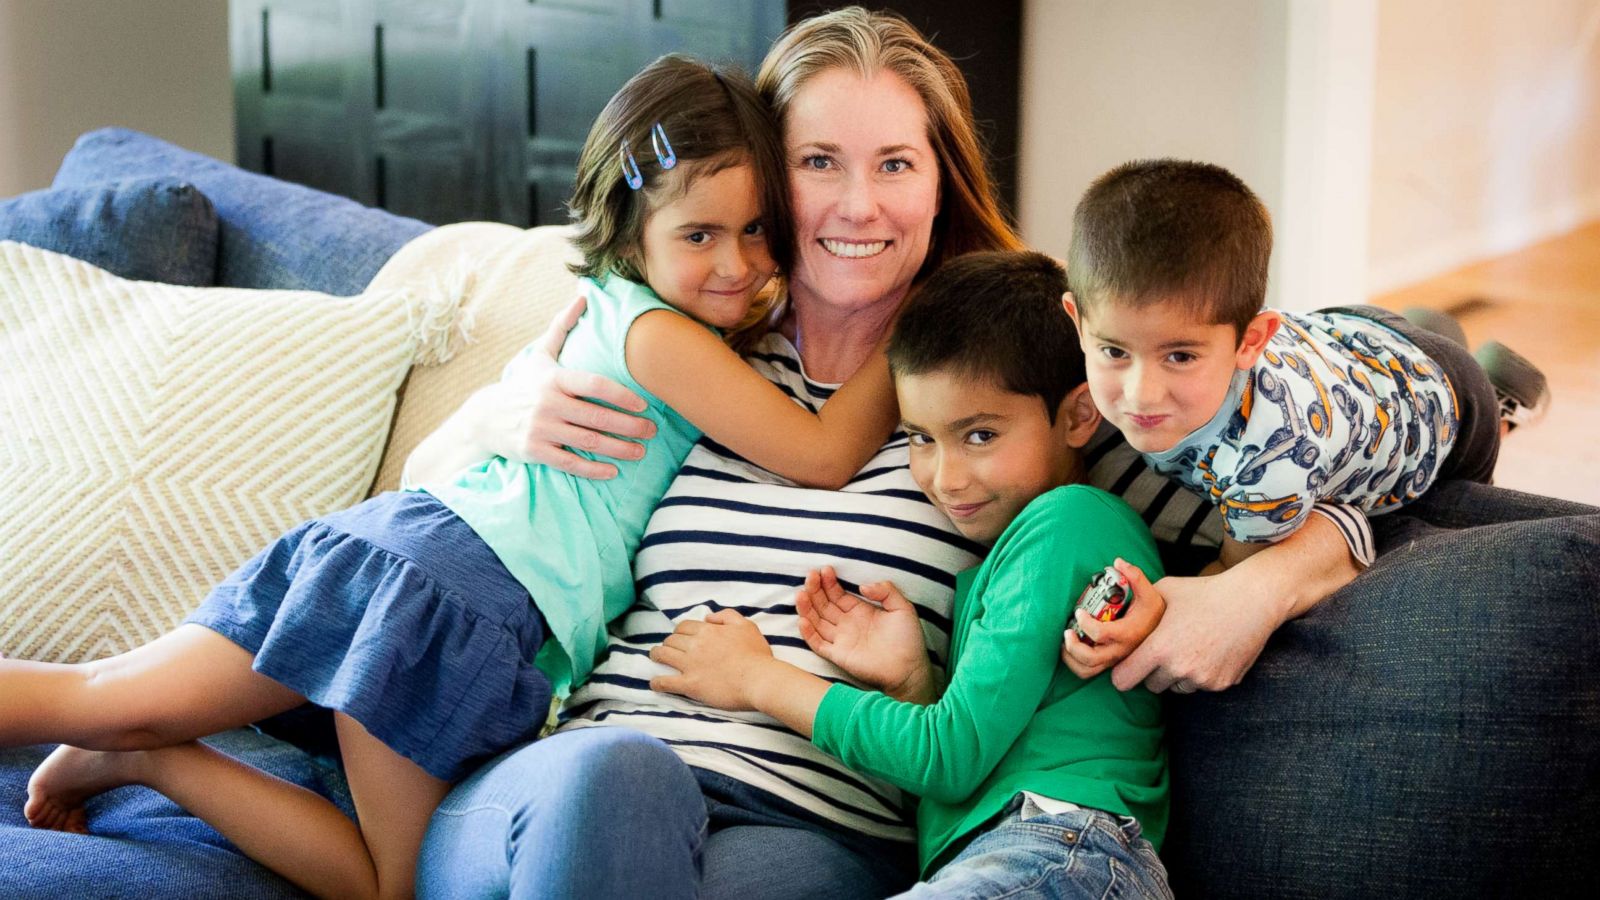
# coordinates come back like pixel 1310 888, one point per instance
pixel 1032 780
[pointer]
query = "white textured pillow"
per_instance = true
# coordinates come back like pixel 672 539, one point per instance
pixel 153 437
pixel 511 280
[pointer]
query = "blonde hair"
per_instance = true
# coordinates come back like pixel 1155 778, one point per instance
pixel 969 216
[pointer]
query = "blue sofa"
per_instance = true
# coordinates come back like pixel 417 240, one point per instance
pixel 1398 740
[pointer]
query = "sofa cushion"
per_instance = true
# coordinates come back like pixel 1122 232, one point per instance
pixel 157 437
pixel 273 234
pixel 1428 731
pixel 511 281
pixel 143 845
pixel 149 229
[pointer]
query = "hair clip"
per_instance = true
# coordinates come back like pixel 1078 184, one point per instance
pixel 658 139
pixel 630 169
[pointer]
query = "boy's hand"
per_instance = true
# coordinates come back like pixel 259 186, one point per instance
pixel 1114 640
pixel 880 645
pixel 717 660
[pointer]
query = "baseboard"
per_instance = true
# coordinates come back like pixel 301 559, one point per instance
pixel 1491 240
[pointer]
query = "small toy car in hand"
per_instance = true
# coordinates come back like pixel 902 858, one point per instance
pixel 1107 597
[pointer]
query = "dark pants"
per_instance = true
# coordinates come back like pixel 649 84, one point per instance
pixel 1477 446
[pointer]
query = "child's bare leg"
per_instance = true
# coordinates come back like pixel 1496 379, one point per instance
pixel 185 684
pixel 394 798
pixel 286 828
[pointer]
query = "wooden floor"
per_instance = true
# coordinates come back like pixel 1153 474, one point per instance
pixel 1544 302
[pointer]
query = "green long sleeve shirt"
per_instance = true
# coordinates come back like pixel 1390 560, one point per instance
pixel 1013 717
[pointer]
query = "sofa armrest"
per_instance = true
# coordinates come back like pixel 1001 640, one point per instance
pixel 1428 730
pixel 272 234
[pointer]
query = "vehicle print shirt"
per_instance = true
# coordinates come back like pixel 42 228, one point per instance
pixel 1338 408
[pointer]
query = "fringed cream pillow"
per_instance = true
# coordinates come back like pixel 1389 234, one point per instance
pixel 154 437
pixel 512 282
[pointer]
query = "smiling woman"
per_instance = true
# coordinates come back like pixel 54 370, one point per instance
pixel 865 186
pixel 435 624
pixel 887 181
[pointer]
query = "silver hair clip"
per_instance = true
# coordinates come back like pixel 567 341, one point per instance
pixel 630 169
pixel 658 139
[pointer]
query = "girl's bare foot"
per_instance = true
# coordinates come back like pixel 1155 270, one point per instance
pixel 69 777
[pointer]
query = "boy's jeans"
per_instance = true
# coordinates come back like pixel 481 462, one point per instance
pixel 1026 852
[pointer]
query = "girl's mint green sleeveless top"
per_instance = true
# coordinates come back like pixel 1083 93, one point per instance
pixel 571 541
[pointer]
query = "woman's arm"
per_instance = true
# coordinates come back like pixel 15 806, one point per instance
pixel 534 416
pixel 1215 626
pixel 709 384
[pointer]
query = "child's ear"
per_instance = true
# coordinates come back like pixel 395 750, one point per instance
pixel 1079 415
pixel 1070 304
pixel 1256 334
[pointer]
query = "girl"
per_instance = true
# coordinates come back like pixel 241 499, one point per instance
pixel 437 624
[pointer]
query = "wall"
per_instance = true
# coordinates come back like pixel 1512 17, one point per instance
pixel 68 66
pixel 1392 141
pixel 1104 82
pixel 1486 130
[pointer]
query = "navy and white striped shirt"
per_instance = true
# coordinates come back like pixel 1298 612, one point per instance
pixel 731 535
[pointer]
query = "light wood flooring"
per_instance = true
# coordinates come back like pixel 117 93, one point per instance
pixel 1544 302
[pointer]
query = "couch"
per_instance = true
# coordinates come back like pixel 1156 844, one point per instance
pixel 1420 745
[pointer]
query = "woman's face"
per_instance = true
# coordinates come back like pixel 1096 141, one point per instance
pixel 865 187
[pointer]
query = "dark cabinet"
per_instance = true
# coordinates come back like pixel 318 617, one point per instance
pixel 453 110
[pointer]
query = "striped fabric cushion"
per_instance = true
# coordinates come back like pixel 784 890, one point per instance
pixel 154 437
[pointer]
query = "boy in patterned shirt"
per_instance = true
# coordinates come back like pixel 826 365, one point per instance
pixel 1262 411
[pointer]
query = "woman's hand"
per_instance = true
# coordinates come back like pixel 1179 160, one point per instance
pixel 535 415
pixel 1217 625
pixel 718 661
pixel 538 416
pixel 1114 640
pixel 1210 637
pixel 880 645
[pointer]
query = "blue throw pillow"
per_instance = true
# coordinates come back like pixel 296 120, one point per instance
pixel 272 234
pixel 148 229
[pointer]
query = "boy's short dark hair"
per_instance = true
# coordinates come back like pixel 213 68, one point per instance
pixel 995 315
pixel 1167 229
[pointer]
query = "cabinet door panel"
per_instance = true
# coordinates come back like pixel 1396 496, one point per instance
pixel 431 111
pixel 450 110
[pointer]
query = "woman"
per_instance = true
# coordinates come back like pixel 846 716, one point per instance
pixel 887 180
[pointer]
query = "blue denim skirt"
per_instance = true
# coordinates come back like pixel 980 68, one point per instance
pixel 397 614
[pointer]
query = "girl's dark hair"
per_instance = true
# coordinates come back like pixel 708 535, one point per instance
pixel 713 119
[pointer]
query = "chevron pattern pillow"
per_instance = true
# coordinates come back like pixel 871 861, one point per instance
pixel 154 437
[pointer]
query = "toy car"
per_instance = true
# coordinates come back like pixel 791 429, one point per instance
pixel 1107 597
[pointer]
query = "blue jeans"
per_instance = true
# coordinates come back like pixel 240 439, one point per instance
pixel 1024 852
pixel 611 812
